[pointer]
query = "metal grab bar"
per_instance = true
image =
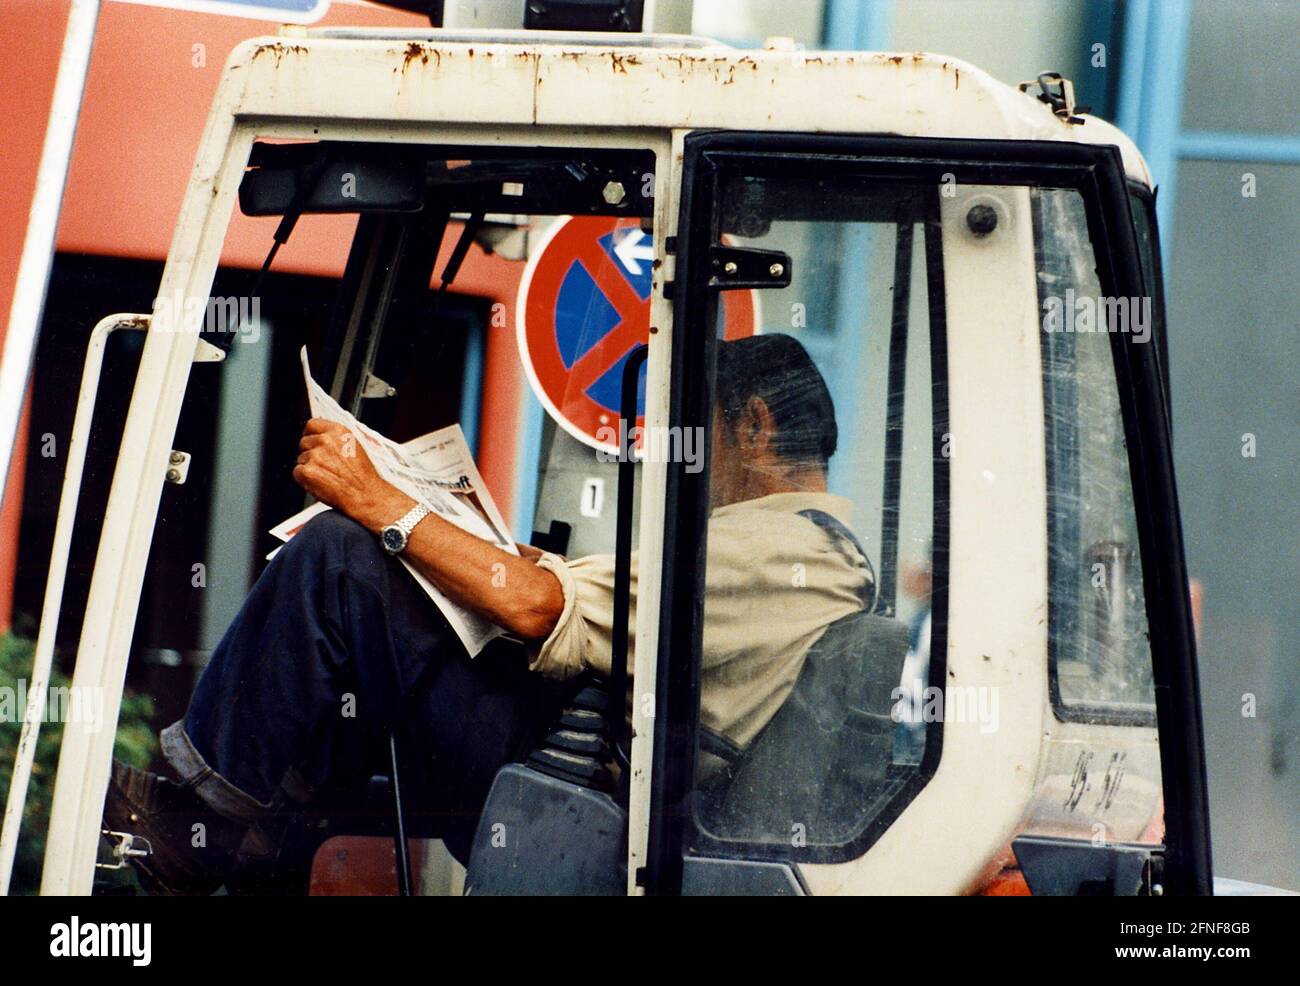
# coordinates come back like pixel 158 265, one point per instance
pixel 619 740
pixel 54 584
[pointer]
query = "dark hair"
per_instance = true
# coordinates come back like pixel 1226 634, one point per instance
pixel 778 369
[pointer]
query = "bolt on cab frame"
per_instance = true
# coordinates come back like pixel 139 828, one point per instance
pixel 969 203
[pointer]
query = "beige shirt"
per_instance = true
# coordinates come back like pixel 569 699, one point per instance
pixel 774 581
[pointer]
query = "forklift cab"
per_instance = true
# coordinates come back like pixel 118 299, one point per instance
pixel 973 270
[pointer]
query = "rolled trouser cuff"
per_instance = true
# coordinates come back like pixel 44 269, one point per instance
pixel 215 791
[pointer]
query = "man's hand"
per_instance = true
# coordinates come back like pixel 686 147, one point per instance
pixel 335 469
pixel 510 591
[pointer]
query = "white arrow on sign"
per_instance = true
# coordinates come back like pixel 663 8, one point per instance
pixel 630 249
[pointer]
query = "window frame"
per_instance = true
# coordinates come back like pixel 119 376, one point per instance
pixel 1142 203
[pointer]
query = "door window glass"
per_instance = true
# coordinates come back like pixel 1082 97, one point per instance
pixel 827 434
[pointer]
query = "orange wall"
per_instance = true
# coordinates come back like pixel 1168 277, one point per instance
pixel 147 98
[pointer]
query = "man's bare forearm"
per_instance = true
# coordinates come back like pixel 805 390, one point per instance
pixel 510 591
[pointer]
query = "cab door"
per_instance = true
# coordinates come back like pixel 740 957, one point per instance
pixel 808 742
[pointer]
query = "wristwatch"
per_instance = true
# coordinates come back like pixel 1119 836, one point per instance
pixel 395 535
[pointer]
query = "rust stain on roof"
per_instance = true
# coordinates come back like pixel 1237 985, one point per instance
pixel 278 50
pixel 619 62
pixel 415 50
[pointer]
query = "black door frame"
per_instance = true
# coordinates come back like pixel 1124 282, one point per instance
pixel 1098 173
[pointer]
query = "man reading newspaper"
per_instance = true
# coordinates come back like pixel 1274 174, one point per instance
pixel 337 647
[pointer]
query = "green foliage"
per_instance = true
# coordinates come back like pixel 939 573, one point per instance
pixel 135 744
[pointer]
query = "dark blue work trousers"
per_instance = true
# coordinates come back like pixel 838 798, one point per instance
pixel 335 649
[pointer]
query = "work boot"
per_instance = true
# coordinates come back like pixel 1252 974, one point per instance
pixel 191 847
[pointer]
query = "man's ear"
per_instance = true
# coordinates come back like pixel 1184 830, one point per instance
pixel 757 426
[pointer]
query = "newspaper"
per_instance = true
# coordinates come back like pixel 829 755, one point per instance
pixel 435 469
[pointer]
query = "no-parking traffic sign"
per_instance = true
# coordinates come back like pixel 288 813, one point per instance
pixel 584 305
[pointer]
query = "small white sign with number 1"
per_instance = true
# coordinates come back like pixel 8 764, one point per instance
pixel 593 497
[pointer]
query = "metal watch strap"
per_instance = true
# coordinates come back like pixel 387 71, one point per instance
pixel 401 529
pixel 412 517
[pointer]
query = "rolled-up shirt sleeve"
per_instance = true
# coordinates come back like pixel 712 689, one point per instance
pixel 582 635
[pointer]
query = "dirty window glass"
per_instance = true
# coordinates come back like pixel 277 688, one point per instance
pixel 826 440
pixel 1099 647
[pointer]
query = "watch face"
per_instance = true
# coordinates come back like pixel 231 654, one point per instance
pixel 393 539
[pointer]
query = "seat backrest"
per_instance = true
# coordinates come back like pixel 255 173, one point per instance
pixel 817 761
